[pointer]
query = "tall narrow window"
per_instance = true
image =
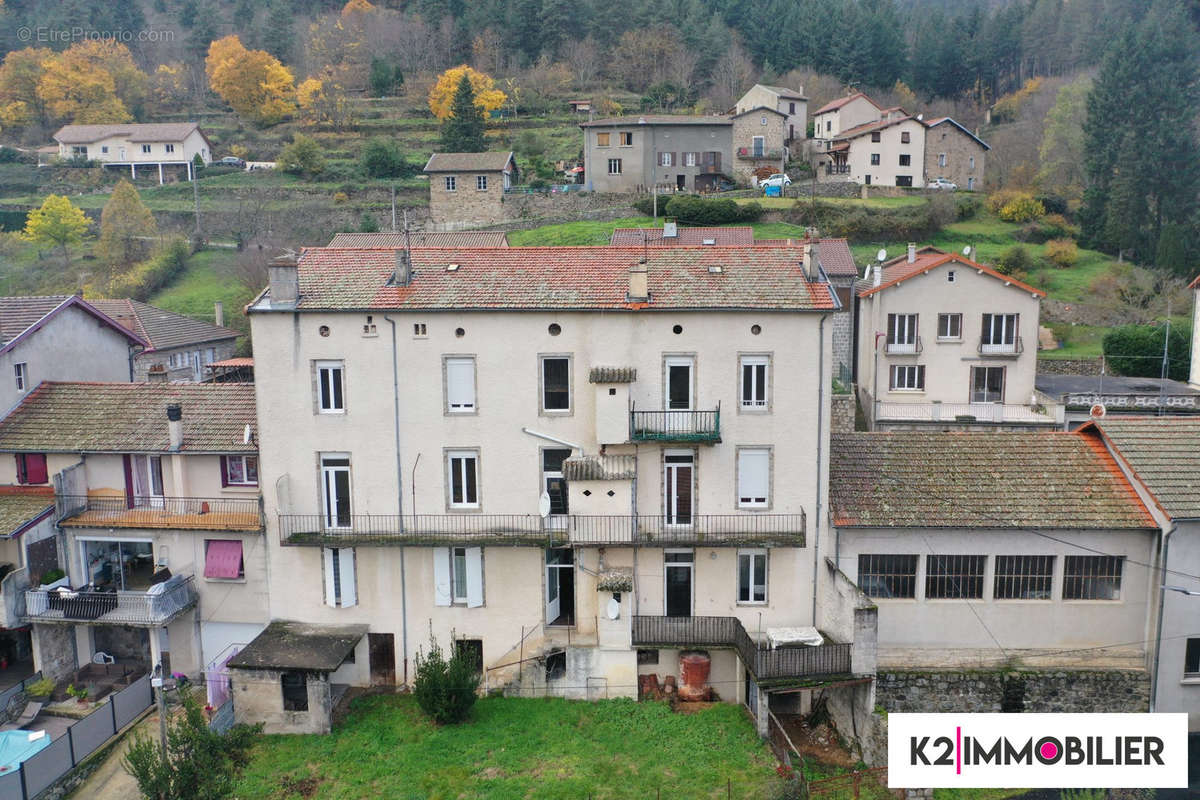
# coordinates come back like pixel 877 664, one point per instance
pixel 1191 659
pixel 21 373
pixel 679 383
pixel 902 333
pixel 463 478
pixel 340 587
pixel 460 385
pixel 754 383
pixel 458 576
pixel 556 383
pixel 754 477
pixel 752 576
pixel 553 482
pixel 330 387
pixel 335 488
pixel 678 486
pixel 481 183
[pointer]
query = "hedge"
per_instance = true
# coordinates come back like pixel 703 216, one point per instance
pixel 1137 350
pixel 692 210
pixel 147 277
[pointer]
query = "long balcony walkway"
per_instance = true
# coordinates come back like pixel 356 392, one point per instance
pixel 186 513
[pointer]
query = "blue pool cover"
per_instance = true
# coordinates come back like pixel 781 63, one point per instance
pixel 15 747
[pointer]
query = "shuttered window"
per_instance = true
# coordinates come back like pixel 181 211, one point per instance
pixel 460 385
pixel 458 576
pixel 340 588
pixel 754 477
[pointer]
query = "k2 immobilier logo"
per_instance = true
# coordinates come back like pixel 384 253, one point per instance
pixel 1037 750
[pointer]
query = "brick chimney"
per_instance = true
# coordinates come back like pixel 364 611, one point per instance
pixel 284 280
pixel 402 276
pixel 639 284
pixel 175 426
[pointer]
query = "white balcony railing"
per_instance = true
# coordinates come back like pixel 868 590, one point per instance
pixel 156 606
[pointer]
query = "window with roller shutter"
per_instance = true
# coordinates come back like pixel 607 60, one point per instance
pixel 754 477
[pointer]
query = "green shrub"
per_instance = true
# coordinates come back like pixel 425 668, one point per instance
pixel 1053 203
pixel 51 575
pixel 144 279
pixel 1014 259
pixel 10 155
pixel 860 223
pixel 41 688
pixel 382 157
pixel 302 156
pixel 445 690
pixel 1136 351
pixel 968 205
pixel 1022 208
pixel 1062 253
pixel 692 210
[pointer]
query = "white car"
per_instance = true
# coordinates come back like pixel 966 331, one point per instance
pixel 778 179
pixel 941 183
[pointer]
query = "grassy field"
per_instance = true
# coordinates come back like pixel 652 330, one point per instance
pixel 517 748
pixel 208 279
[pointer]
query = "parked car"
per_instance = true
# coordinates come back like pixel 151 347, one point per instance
pixel 232 161
pixel 942 183
pixel 778 179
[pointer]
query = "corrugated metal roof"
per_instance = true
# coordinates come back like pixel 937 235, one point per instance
pixel 599 468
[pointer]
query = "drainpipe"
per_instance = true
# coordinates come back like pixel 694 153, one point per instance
pixel 1162 600
pixel 820 449
pixel 399 496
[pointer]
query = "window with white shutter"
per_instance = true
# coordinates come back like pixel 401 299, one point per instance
pixel 340 589
pixel 754 477
pixel 460 385
pixel 458 576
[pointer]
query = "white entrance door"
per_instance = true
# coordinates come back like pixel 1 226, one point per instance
pixel 560 597
pixel 679 471
pixel 679 395
pixel 335 484
pixel 555 487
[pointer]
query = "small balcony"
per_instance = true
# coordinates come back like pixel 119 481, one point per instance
pixel 711 530
pixel 780 664
pixel 753 154
pixel 904 348
pixel 675 426
pixel 1002 349
pixel 155 606
pixel 180 513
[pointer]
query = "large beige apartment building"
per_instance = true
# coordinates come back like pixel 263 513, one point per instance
pixel 944 342
pixel 572 463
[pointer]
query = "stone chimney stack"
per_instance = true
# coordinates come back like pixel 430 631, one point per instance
pixel 812 262
pixel 175 426
pixel 403 273
pixel 219 313
pixel 639 283
pixel 284 280
pixel 912 252
pixel 876 274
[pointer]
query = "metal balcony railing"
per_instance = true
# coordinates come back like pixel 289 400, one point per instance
pixel 194 513
pixel 904 348
pixel 753 153
pixel 1013 348
pixel 713 530
pixel 152 607
pixel 763 663
pixel 675 426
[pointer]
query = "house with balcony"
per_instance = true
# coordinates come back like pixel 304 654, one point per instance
pixel 945 342
pixel 1028 553
pixel 571 463
pixel 790 102
pixel 836 116
pixel 60 338
pixel 156 506
pixel 178 348
pixel 169 147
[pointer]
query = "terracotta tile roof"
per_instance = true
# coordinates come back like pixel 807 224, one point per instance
pixel 494 161
pixel 924 262
pixel 163 329
pixel 783 91
pixel 129 418
pixel 632 237
pixel 836 259
pixel 658 119
pixel 20 506
pixel 136 132
pixel 583 278
pixel 834 105
pixel 612 375
pixel 1195 284
pixel 980 480
pixel 23 315
pixel 871 127
pixel 1164 453
pixel 422 239
pixel 234 362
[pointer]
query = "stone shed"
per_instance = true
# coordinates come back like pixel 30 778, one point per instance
pixel 467 189
pixel 291 675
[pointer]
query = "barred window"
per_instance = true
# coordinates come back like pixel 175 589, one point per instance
pixel 887 575
pixel 954 577
pixel 1023 578
pixel 1092 577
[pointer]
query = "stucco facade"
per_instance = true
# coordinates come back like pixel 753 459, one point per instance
pixel 954 154
pixel 840 115
pixel 628 155
pixel 126 147
pixel 897 159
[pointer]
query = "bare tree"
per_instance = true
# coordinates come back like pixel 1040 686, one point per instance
pixel 585 60
pixel 681 67
pixel 488 53
pixel 250 268
pixel 732 75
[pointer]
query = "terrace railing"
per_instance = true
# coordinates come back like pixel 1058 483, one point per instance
pixel 714 530
pixel 764 664
pixel 675 426
pixel 140 608
pixel 195 513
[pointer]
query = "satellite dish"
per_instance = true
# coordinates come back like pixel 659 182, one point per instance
pixel 247 435
pixel 967 251
pixel 544 505
pixel 613 609
pixel 1098 411
pixel 881 255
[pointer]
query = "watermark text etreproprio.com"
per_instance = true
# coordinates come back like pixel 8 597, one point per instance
pixel 46 34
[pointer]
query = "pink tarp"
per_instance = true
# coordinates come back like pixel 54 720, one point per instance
pixel 224 559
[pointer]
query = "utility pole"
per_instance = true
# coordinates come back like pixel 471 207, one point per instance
pixel 393 208
pixel 160 690
pixel 196 202
pixel 1162 378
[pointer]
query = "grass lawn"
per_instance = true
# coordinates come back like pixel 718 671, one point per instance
pixel 585 232
pixel 208 279
pixel 518 748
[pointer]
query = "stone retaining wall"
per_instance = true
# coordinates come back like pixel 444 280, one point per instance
pixel 1041 691
pixel 1070 366
pixel 842 413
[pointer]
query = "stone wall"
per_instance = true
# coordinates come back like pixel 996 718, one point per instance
pixel 745 128
pixel 1040 691
pixel 1069 366
pixel 466 205
pixel 842 413
pixel 54 650
pixel 959 149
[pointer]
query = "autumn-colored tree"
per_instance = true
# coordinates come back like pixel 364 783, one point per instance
pixel 487 97
pixel 93 81
pixel 125 227
pixel 462 131
pixel 19 77
pixel 170 84
pixel 58 223
pixel 253 82
pixel 324 99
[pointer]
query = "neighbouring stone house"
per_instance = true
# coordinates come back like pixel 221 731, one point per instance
pixel 758 141
pixel 467 189
pixel 790 102
pixel 178 348
pixel 954 153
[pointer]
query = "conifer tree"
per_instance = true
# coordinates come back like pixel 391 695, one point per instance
pixel 462 132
